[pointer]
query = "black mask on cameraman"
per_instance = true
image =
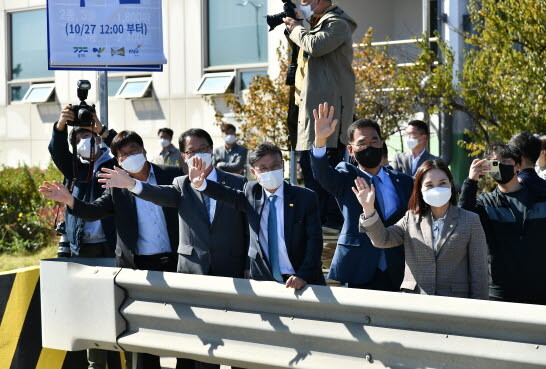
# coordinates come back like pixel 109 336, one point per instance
pixel 369 157
pixel 504 175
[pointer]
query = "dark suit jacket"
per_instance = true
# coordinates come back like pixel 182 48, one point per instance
pixel 120 204
pixel 403 162
pixel 216 249
pixel 85 191
pixel 356 259
pixel 532 180
pixel 302 228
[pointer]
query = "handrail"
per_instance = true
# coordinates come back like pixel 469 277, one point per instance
pixel 265 325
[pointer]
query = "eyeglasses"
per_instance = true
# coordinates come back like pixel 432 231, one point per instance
pixel 201 150
pixel 274 166
pixel 122 156
pixel 363 145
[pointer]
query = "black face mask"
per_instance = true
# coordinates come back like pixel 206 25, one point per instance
pixel 504 175
pixel 369 157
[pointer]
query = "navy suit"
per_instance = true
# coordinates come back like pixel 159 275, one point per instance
pixel 356 259
pixel 302 228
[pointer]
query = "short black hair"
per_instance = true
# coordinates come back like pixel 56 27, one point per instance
pixel 420 125
pixel 123 138
pixel 385 150
pixel 504 151
pixel 193 132
pixel 227 126
pixel 262 150
pixel 72 137
pixel 529 145
pixel 362 123
pixel 168 131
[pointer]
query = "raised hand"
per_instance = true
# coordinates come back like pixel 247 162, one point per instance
pixel 365 195
pixel 325 124
pixel 57 192
pixel 478 168
pixel 117 178
pixel 197 172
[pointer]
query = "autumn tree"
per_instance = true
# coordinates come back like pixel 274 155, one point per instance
pixel 503 84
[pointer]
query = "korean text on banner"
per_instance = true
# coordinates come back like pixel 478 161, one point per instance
pixel 105 33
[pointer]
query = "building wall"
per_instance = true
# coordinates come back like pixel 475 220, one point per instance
pixel 25 129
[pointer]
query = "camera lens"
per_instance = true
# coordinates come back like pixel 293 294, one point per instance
pixel 85 117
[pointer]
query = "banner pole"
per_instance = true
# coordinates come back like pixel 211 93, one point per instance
pixel 103 97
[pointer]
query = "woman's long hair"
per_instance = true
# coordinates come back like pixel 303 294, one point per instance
pixel 416 202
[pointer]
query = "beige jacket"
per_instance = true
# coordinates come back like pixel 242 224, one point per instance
pixel 459 269
pixel 329 76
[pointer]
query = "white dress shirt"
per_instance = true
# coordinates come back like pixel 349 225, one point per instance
pixel 153 237
pixel 284 262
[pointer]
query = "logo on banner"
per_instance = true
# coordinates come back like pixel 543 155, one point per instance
pixel 135 51
pixel 80 49
pixel 99 51
pixel 118 51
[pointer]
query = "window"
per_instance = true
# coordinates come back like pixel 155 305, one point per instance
pixel 237 32
pixel 28 45
pixel 114 83
pixel 134 88
pixel 39 93
pixel 215 83
pixel 246 77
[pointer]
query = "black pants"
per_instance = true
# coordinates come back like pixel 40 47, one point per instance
pixel 381 281
pixel 330 215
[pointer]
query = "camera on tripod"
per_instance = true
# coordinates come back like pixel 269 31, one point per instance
pixel 289 11
pixel 83 112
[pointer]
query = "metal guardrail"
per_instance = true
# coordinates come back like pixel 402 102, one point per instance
pixel 264 325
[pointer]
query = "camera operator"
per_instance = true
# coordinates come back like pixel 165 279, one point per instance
pixel 87 239
pixel 324 73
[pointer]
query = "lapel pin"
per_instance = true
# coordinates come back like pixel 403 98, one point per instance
pixel 397 180
pixel 292 205
pixel 223 182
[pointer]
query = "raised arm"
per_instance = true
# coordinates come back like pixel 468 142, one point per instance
pixel 329 178
pixel 332 35
pixel 371 224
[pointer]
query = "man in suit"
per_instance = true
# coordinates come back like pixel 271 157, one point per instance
pixel 416 137
pixel 284 225
pixel 356 261
pixel 213 237
pixel 147 234
pixel 230 157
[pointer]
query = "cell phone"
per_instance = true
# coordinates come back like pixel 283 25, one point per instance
pixel 493 166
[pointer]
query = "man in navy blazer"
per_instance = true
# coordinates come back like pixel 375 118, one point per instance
pixel 284 222
pixel 356 261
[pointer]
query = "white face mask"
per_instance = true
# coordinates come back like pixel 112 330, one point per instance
pixel 230 139
pixel 84 148
pixel 164 142
pixel 134 163
pixel 306 11
pixel 412 143
pixel 205 156
pixel 437 196
pixel 271 180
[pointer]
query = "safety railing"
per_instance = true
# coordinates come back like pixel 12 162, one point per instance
pixel 264 325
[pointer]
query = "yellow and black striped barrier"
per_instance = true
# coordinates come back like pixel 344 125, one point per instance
pixel 21 330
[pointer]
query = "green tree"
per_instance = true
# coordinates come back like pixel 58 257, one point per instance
pixel 503 84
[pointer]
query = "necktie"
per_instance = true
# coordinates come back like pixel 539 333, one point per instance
pixel 273 239
pixel 206 200
pixel 382 264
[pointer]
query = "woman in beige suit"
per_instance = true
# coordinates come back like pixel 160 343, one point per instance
pixel 445 248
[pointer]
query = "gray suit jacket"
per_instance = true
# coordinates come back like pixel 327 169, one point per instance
pixel 402 162
pixel 233 161
pixel 219 248
pixel 459 269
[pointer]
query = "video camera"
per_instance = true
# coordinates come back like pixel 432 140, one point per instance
pixel 289 11
pixel 83 112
